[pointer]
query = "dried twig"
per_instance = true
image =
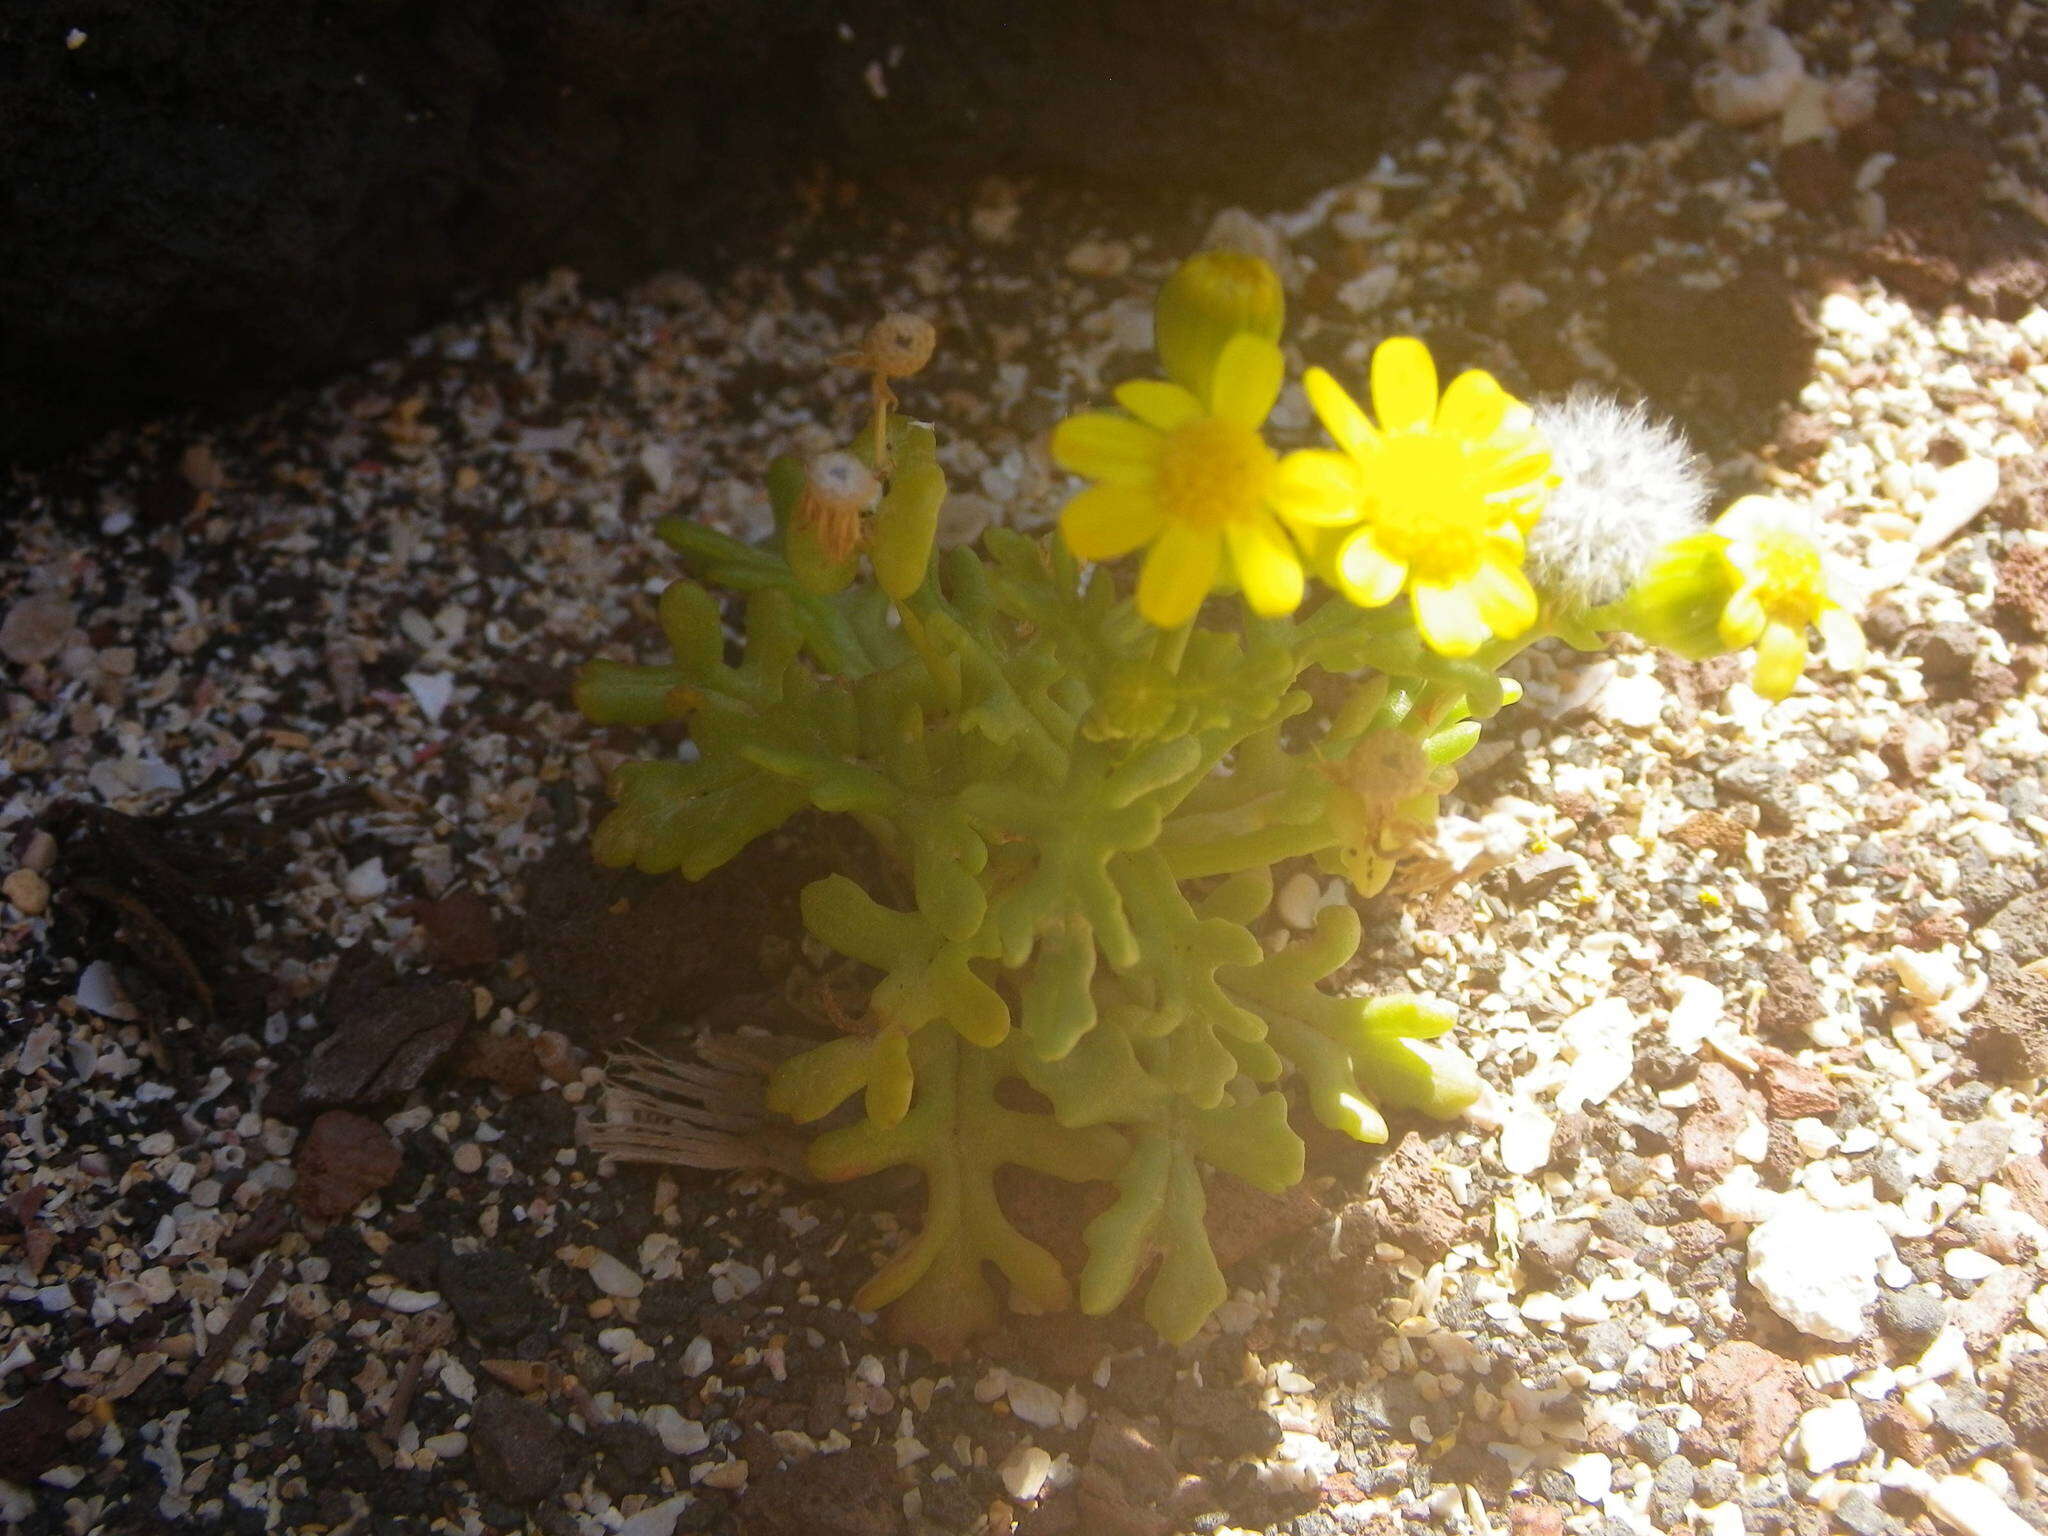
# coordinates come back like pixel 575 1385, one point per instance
pixel 238 1322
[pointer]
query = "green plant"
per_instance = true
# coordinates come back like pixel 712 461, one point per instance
pixel 1087 781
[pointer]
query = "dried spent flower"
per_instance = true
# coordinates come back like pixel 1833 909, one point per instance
pixel 837 489
pixel 895 347
pixel 1628 485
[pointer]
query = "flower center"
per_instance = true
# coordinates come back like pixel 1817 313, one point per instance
pixel 1789 581
pixel 1428 514
pixel 1214 472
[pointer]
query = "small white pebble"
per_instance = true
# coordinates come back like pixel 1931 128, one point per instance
pixel 1024 1473
pixel 1035 1403
pixel 1972 1508
pixel 679 1436
pixel 1298 900
pixel 614 1276
pixel 366 882
pixel 1968 1264
pixel 1831 1435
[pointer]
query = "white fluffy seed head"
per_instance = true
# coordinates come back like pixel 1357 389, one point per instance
pixel 1628 485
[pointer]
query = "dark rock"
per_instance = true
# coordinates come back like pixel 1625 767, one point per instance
pixel 461 932
pixel 1670 1489
pixel 2010 1037
pixel 1229 1423
pixel 206 200
pixel 1767 786
pixel 2022 924
pixel 517 1448
pixel 1859 1514
pixel 1813 177
pixel 1620 1224
pixel 1717 1483
pixel 492 1292
pixel 1791 1000
pixel 1683 343
pixel 634 1448
pixel 33 1433
pixel 385 1032
pixel 1948 657
pixel 1553 1247
pixel 1975 1431
pixel 2026 1398
pixel 1913 1317
pixel 1608 1346
pixel 1977 1153
pixel 1653 1441
pixel 1889 1176
pixel 1607 98
pixel 852 1493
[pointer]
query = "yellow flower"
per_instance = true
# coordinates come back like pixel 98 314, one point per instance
pixel 1782 586
pixel 1191 480
pixel 1450 487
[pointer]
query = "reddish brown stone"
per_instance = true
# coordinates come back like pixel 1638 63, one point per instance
pixel 1813 177
pixel 507 1060
pixel 1608 98
pixel 461 931
pixel 2027 1178
pixel 1792 1089
pixel 1243 1220
pixel 1747 1397
pixel 1706 1142
pixel 1895 1431
pixel 1715 830
pixel 342 1162
pixel 1411 1202
pixel 2021 587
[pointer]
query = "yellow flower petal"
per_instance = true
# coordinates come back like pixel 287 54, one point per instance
pixel 1780 658
pixel 1506 600
pixel 1179 570
pixel 1403 385
pixel 1473 407
pixel 1105 447
pixel 1448 617
pixel 1742 620
pixel 1248 378
pixel 1158 403
pixel 1106 521
pixel 1317 487
pixel 1367 575
pixel 1340 414
pixel 1268 568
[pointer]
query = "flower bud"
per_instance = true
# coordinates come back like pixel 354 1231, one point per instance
pixel 1679 601
pixel 1211 297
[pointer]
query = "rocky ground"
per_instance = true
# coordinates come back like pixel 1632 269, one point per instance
pixel 307 982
